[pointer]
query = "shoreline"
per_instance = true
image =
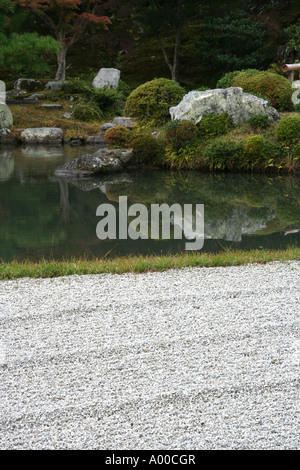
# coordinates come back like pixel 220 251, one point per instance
pixel 142 264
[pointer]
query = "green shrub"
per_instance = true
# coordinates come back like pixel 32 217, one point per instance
pixel 259 121
pixel 288 130
pixel 254 146
pixel 214 125
pixel 109 100
pixel 276 88
pixel 75 85
pixel 152 100
pixel 124 89
pixel 146 149
pixel 87 111
pixel 228 79
pixel 117 136
pixel 185 158
pixel 223 155
pixel 203 88
pixel 181 133
pixel 297 108
pixel 268 85
pixel 255 149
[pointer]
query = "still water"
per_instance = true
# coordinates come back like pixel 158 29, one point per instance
pixel 45 216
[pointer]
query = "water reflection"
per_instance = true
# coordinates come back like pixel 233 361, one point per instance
pixel 42 215
pixel 7 165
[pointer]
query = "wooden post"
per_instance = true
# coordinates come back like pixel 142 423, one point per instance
pixel 291 68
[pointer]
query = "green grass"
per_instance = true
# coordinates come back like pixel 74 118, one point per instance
pixel 140 264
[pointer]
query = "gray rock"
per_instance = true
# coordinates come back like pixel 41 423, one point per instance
pixel 107 77
pixel 124 122
pixel 42 135
pixel 124 155
pixel 29 84
pixel 54 86
pixel 102 161
pixel 35 96
pixel 51 106
pixel 89 165
pixel 95 139
pixel 67 115
pixel 6 117
pixel 75 142
pixel 14 93
pixel 4 132
pixel 108 125
pixel 238 105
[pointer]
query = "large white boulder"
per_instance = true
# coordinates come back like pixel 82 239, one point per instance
pixel 107 77
pixel 238 105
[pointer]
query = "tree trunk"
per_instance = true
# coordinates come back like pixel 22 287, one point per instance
pixel 175 68
pixel 61 64
pixel 174 65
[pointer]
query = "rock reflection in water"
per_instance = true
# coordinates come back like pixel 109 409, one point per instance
pixel 7 165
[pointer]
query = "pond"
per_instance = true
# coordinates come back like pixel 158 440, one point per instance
pixel 45 216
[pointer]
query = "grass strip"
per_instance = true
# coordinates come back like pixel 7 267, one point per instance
pixel 141 264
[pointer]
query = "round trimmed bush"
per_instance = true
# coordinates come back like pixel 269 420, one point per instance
pixel 276 88
pixel 254 145
pixel 117 136
pixel 228 79
pixel 152 100
pixel 269 85
pixel 255 150
pixel 87 111
pixel 288 130
pixel 181 133
pixel 146 149
pixel 214 125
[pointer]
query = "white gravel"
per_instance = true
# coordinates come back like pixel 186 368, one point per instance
pixel 187 359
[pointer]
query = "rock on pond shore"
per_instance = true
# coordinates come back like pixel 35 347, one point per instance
pixel 102 161
pixel 238 105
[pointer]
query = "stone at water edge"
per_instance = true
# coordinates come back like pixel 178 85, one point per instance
pixel 238 105
pixel 107 77
pixel 42 135
pixel 95 139
pixel 102 161
pixel 6 117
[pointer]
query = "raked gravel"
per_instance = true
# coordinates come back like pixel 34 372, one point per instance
pixel 198 358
